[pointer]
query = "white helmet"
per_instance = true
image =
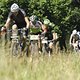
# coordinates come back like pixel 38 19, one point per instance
pixel 74 31
pixel 33 18
pixel 14 8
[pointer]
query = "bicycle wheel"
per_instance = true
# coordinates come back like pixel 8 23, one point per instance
pixel 26 49
pixel 34 48
pixel 15 49
pixel 49 51
pixel 44 48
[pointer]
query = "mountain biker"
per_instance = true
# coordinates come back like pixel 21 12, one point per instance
pixel 46 32
pixel 17 17
pixel 35 28
pixel 35 25
pixel 74 39
pixel 47 29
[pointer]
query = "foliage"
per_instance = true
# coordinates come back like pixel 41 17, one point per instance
pixel 63 13
pixel 40 68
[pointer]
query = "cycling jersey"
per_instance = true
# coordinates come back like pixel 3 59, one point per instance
pixel 35 27
pixel 48 35
pixel 19 19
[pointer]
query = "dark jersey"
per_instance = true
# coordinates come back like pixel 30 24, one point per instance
pixel 48 35
pixel 19 19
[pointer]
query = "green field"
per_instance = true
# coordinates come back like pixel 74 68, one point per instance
pixel 61 66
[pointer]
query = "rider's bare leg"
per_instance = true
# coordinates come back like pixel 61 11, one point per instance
pixel 14 30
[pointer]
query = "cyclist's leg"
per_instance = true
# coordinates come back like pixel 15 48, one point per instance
pixel 50 45
pixel 14 29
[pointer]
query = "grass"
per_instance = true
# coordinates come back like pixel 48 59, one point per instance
pixel 59 66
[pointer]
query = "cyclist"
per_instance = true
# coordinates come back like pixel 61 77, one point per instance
pixel 17 16
pixel 35 28
pixel 74 39
pixel 46 32
pixel 47 29
pixel 35 25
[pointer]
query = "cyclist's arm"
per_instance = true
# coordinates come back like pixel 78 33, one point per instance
pixel 27 22
pixel 31 24
pixel 7 23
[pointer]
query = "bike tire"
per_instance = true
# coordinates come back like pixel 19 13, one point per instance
pixel 27 50
pixel 34 48
pixel 15 49
pixel 44 49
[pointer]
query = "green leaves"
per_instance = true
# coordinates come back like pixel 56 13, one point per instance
pixel 62 13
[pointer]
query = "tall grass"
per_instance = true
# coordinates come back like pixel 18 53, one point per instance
pixel 59 66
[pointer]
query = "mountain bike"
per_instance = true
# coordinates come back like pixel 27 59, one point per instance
pixel 18 41
pixel 34 40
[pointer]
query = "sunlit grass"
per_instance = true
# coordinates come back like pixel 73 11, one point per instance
pixel 61 66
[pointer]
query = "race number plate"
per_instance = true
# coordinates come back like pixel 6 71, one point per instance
pixel 44 41
pixel 13 37
pixel 34 37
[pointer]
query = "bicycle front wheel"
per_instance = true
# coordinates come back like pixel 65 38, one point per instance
pixel 15 49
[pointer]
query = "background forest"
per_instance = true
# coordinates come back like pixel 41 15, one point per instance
pixel 65 14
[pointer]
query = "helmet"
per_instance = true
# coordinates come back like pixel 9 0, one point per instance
pixel 74 31
pixel 46 21
pixel 14 8
pixel 33 18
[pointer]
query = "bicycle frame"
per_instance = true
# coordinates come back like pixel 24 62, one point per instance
pixel 17 41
